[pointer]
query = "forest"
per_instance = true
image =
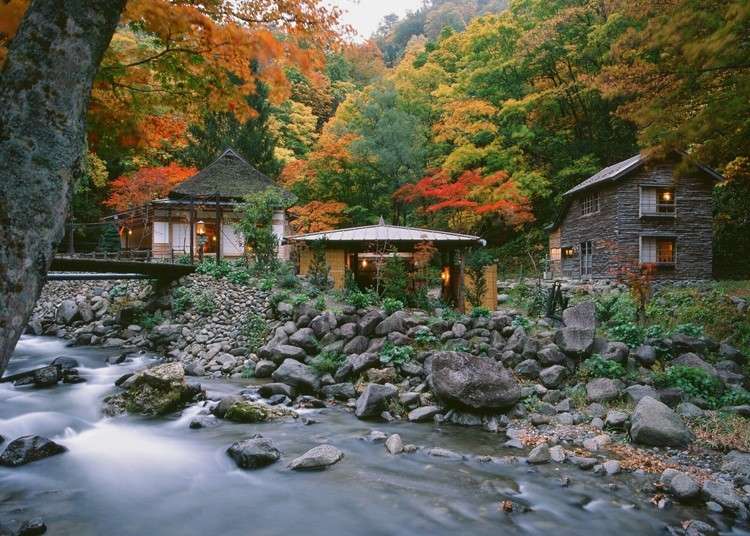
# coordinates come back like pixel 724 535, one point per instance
pixel 471 115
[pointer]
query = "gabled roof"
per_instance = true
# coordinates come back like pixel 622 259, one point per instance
pixel 610 173
pixel 621 169
pixel 385 233
pixel 228 177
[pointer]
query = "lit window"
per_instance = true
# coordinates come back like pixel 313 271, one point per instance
pixel 554 254
pixel 657 250
pixel 657 201
pixel 590 203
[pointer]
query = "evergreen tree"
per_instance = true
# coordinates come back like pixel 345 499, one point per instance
pixel 110 239
pixel 252 138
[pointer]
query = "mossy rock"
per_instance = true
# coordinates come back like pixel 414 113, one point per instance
pixel 245 412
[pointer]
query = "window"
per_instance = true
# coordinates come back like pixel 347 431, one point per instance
pixel 590 203
pixel 587 258
pixel 659 251
pixel 554 254
pixel 657 202
pixel 161 232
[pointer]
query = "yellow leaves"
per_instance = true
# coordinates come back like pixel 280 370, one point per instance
pixel 317 216
pixel 463 118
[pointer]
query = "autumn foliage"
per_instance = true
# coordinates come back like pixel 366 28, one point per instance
pixel 147 183
pixel 317 216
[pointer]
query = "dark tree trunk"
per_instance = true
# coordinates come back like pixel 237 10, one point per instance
pixel 44 92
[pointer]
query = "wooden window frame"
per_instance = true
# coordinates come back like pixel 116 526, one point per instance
pixel 659 189
pixel 588 202
pixel 586 245
pixel 657 264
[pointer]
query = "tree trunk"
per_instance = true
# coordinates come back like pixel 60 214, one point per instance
pixel 44 93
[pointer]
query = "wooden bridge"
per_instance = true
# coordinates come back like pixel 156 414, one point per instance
pixel 77 268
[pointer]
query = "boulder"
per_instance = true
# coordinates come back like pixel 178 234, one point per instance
pixel 394 322
pixel 636 392
pixel 155 391
pixel 603 389
pixel 655 424
pixel 688 410
pixel 539 454
pixel 694 361
pixel 323 323
pixel 287 351
pixel 576 342
pixel 317 458
pixel 248 412
pixel 357 345
pixel 264 368
pixel 616 351
pixel 553 376
pixel 268 390
pixel 298 375
pixel 340 391
pixel 425 413
pixel 727 351
pixel 29 449
pixel 551 355
pixel 362 362
pixel 254 453
pixel 738 465
pixel 369 321
pixel 724 494
pixel 528 369
pixel 473 383
pixel 305 339
pixel 684 487
pixel 66 312
pixel 646 355
pixel 517 340
pixel 616 419
pixel 394 444
pixel 374 399
pixel 582 316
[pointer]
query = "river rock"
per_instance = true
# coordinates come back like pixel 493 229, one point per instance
pixel 655 424
pixel 723 494
pixel 305 339
pixel 264 368
pixel 29 449
pixel 254 453
pixel 244 411
pixel 67 311
pixel 424 413
pixel 603 389
pixel 473 383
pixel 684 487
pixel 340 391
pixel 298 375
pixel 539 454
pixel 316 458
pixel 374 399
pixel 267 390
pixel 738 464
pixel 394 445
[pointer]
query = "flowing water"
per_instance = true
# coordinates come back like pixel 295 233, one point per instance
pixel 139 476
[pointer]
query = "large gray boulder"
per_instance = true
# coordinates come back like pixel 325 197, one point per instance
pixel 576 342
pixel 254 453
pixel 317 458
pixel 424 413
pixel 473 383
pixel 684 487
pixel 369 322
pixel 374 399
pixel 287 351
pixel 66 312
pixel 394 322
pixel 603 389
pixel 582 316
pixel 323 323
pixel 646 355
pixel 305 339
pixel 616 351
pixel 340 391
pixel 724 494
pixel 551 355
pixel 738 465
pixel 553 376
pixel 296 374
pixel 264 368
pixel 655 424
pixel 694 361
pixel 357 345
pixel 29 449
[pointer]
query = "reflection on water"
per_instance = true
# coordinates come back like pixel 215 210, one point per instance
pixel 137 476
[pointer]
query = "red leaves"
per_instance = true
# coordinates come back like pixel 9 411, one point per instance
pixel 494 194
pixel 147 183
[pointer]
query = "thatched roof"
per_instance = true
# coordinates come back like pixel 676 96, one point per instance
pixel 228 177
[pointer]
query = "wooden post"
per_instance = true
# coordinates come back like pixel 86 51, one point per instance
pixel 218 230
pixel 169 235
pixel 71 245
pixel 192 231
pixel 461 291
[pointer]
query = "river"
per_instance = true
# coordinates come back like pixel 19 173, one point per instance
pixel 140 476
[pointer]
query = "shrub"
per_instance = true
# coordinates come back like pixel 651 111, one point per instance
pixel 735 397
pixel 480 312
pixel 319 269
pixel 396 354
pixel 299 299
pixel 691 330
pixel 598 367
pixel 204 303
pixel 327 362
pixel 360 299
pixel 521 322
pixel 424 337
pixel 606 306
pixel 630 333
pixel 255 329
pixel 149 320
pixel 394 279
pixel 278 297
pixel 475 264
pixel 693 381
pixel 181 299
pixel 392 305
pixel 320 303
pixel 118 290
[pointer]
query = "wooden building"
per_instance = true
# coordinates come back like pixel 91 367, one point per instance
pixel 360 250
pixel 637 213
pixel 204 204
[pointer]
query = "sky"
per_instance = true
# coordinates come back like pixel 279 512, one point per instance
pixel 365 15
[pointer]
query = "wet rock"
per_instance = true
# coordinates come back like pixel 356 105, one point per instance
pixel 41 377
pixel 684 487
pixel 254 453
pixel 317 458
pixel 298 375
pixel 340 391
pixel 655 424
pixel 203 421
pixel 29 449
pixel 424 413
pixel 66 362
pixel 738 465
pixel 723 494
pixel 394 445
pixel 439 452
pixel 694 527
pixel 374 400
pixel 268 390
pixel 32 527
pixel 603 389
pixel 582 462
pixel 473 383
pixel 264 368
pixel 539 454
pixel 611 467
pixel 244 411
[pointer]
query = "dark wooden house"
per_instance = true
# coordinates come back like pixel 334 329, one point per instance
pixel 637 213
pixel 206 203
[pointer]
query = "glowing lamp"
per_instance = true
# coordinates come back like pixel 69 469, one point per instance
pixel 666 196
pixel 200 228
pixel 364 263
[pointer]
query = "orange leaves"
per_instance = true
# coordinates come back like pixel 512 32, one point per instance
pixel 147 183
pixel 469 196
pixel 11 13
pixel 464 118
pixel 155 130
pixel 317 216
